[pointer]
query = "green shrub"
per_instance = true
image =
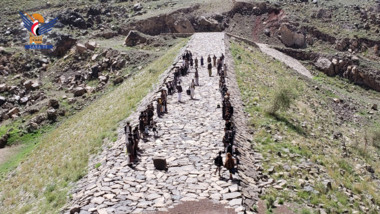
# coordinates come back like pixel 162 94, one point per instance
pixel 284 94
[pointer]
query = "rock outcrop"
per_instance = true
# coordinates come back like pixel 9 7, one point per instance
pixel 134 38
pixel 325 65
pixel 290 38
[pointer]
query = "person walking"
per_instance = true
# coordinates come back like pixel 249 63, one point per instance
pixel 159 107
pixel 202 63
pixel 230 164
pixel 196 62
pixel 164 100
pixel 196 77
pixel 209 59
pixel 141 126
pixel 179 90
pixel 218 161
pixel 127 130
pixel 214 60
pixel 209 67
pixel 192 89
pixel 130 149
pixel 136 139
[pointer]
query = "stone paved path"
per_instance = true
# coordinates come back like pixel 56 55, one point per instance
pixel 290 61
pixel 190 136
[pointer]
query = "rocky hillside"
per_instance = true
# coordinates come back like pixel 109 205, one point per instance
pixel 101 44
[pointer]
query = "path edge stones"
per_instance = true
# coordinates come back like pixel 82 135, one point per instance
pixel 250 169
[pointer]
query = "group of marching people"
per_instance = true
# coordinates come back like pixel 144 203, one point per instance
pixel 146 122
pixel 232 161
pixel 187 63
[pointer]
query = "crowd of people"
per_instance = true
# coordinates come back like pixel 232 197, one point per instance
pixel 147 123
pixel 232 161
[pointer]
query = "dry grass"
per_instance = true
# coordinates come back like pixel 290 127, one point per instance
pixel 40 183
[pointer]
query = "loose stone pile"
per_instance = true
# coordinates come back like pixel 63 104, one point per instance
pixel 190 136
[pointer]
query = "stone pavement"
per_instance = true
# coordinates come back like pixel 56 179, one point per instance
pixel 190 136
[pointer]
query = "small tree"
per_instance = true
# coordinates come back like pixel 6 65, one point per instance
pixel 285 93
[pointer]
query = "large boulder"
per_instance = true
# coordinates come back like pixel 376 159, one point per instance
pixel 35 85
pixel 91 45
pixel 290 38
pixel 118 80
pixel 62 45
pixel 325 65
pixel 81 48
pixel 28 84
pixel 134 38
pixel 31 85
pixel 13 111
pixel 53 103
pixel 31 127
pixel 342 44
pixel 183 25
pixel 137 7
pixel 208 24
pixel 39 119
pixel 52 114
pixel 72 18
pixel 79 91
pixel 24 100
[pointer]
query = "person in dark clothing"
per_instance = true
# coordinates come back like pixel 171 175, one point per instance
pixel 230 164
pixel 141 123
pixel 225 143
pixel 214 60
pixel 202 63
pixel 130 149
pixel 164 101
pixel 209 67
pixel 218 161
pixel 220 67
pixel 196 75
pixel 136 139
pixel 159 107
pixel 127 130
pixel 229 148
pixel 167 84
pixel 179 91
pixel 150 114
